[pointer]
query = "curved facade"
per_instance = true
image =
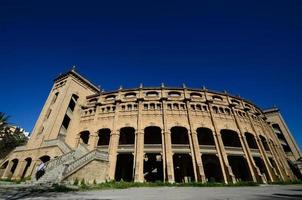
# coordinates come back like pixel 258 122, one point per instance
pixel 151 134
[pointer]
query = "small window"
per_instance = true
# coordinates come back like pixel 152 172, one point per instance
pixel 198 107
pixel 130 95
pixel 103 109
pixel 221 110
pixel 235 102
pixel 113 108
pixel 152 94
pixel 195 95
pixel 129 107
pixel 248 106
pixel 48 114
pixel 227 111
pixel 192 106
pixel 145 106
pixel 215 109
pixel 182 106
pixel 108 108
pixel 205 108
pixel 55 98
pixel 176 106
pixel 170 106
pixel 174 94
pixel 217 98
pixel 158 106
pixel 110 97
pixel 152 106
pixel 135 106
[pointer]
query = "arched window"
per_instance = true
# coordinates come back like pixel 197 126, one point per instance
pixel 127 135
pixel 84 136
pixel 264 143
pixel 215 109
pixel 129 107
pixel 104 136
pixel 110 97
pixel 217 98
pixel 55 98
pixel 152 106
pixel 205 136
pixel 176 106
pixel 152 135
pixel 174 94
pixel 130 95
pixel 179 135
pixel 152 94
pixel 235 102
pixel 195 95
pixel 251 140
pixel 230 138
pixel 227 111
pixel 221 110
pixel 44 158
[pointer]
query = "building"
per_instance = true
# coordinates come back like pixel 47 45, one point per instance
pixel 153 134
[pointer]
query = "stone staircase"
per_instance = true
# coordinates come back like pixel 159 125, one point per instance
pixel 61 167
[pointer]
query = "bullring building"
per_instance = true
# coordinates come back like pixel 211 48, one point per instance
pixel 151 134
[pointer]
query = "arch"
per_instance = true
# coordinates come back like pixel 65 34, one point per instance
pixel 217 98
pixel 212 168
pixel 93 100
pixel 84 136
pixel 127 135
pixel 152 94
pixel 195 95
pixel 230 138
pixel 215 109
pixel 130 95
pixel 179 135
pixel 174 94
pixel 152 135
pixel 110 97
pixel 183 168
pixel 28 163
pixel 251 141
pixel 205 136
pixel 45 158
pixel 264 143
pixel 14 166
pixel 261 166
pixel 104 136
pixel 234 101
pixel 124 167
pixel 3 167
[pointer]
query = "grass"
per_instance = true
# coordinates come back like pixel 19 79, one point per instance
pixel 125 185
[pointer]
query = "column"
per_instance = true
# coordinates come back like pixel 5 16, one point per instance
pixel 19 170
pixel 252 166
pixel 93 141
pixel 224 163
pixel 196 155
pixel 7 173
pixel 139 158
pixel 261 149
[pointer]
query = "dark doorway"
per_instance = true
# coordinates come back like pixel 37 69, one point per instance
pixel 124 167
pixel 240 168
pixel 212 168
pixel 85 136
pixel 127 136
pixel 183 168
pixel 104 137
pixel 153 167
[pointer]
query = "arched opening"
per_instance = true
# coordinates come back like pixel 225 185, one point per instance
pixel 84 136
pixel 261 166
pixel 240 168
pixel 183 168
pixel 45 158
pixel 295 169
pixel 264 143
pixel 212 168
pixel 205 136
pixel 28 163
pixel 251 141
pixel 2 168
pixel 152 135
pixel 104 137
pixel 179 135
pixel 230 138
pixel 124 167
pixel 14 166
pixel 127 135
pixel 153 167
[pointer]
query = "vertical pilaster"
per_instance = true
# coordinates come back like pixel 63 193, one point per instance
pixel 113 145
pixel 226 169
pixel 19 170
pixel 261 149
pixel 251 164
pixel 196 155
pixel 7 173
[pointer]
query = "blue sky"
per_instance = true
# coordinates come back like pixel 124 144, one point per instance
pixel 251 48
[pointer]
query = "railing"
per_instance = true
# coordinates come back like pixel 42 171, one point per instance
pixel 152 146
pixel 180 146
pixel 126 146
pixel 57 142
pixel 59 160
pixel 84 159
pixel 236 150
pixel 255 151
pixel 207 148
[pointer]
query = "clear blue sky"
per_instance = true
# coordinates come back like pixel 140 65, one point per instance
pixel 251 48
